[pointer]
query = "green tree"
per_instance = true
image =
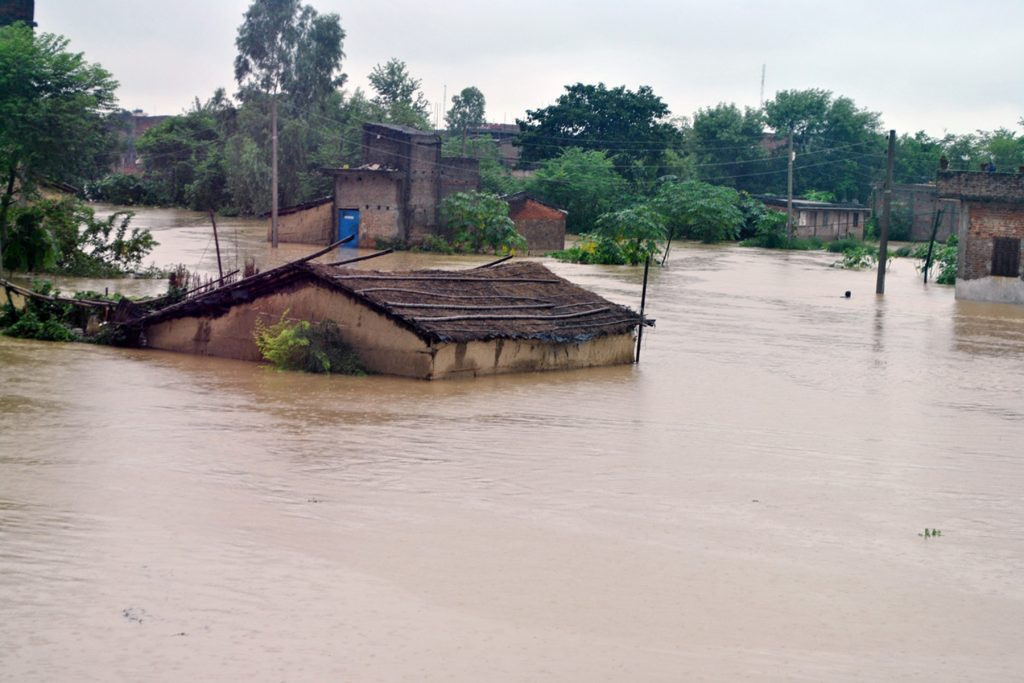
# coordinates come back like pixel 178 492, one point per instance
pixel 839 147
pixel 287 48
pixel 467 111
pixel 584 183
pixel 637 230
pixel 398 95
pixel 479 222
pixel 917 158
pixel 632 128
pixel 699 211
pixel 55 108
pixel 725 144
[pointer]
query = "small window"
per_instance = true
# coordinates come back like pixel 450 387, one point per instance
pixel 1006 256
pixel 856 219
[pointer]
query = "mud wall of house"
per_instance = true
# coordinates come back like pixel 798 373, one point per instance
pixel 383 346
pixel 307 226
pixel 378 198
pixel 501 356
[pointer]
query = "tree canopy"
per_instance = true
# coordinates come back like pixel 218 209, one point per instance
pixel 467 110
pixel 398 95
pixel 287 47
pixel 632 128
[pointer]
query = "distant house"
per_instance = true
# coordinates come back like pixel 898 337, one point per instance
pixel 430 324
pixel 137 123
pixel 393 196
pixel 990 233
pixel 542 224
pixel 504 135
pixel 827 220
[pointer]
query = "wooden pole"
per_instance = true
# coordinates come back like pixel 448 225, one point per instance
pixel 883 238
pixel 789 190
pixel 643 303
pixel 931 243
pixel 273 172
pixel 216 243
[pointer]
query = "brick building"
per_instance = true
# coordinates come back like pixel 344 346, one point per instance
pixel 990 231
pixel 136 123
pixel 542 224
pixel 395 195
pixel 17 10
pixel 919 205
pixel 827 220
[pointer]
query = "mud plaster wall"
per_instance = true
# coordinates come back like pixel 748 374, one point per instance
pixel 308 226
pixel 500 356
pixel 383 346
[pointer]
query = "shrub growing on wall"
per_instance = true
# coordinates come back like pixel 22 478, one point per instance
pixel 479 222
pixel 309 347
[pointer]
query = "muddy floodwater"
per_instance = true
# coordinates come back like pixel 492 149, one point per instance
pixel 747 503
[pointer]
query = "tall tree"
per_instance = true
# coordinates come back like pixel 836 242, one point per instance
pixel 631 127
pixel 726 144
pixel 467 111
pixel 839 147
pixel 286 47
pixel 54 108
pixel 398 95
pixel 584 183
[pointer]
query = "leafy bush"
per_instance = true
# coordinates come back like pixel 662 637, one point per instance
pixel 124 189
pixel 858 256
pixel 944 259
pixel 593 249
pixel 479 222
pixel 40 319
pixel 306 346
pixel 841 245
pixel 64 236
pixel 698 211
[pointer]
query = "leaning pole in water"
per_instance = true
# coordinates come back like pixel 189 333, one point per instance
pixel 643 302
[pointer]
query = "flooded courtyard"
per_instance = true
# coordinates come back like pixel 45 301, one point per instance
pixel 746 503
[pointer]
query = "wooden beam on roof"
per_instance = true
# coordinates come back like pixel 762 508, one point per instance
pixel 447 318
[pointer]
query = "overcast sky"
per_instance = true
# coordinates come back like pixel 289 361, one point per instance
pixel 943 65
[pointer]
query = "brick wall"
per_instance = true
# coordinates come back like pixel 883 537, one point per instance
pixel 542 226
pixel 976 186
pixel 984 222
pixel 377 196
pixel 921 202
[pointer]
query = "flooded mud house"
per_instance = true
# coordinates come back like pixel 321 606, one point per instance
pixel 990 232
pixel 827 220
pixel 429 324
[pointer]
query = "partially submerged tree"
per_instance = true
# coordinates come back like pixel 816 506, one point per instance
pixel 54 108
pixel 479 222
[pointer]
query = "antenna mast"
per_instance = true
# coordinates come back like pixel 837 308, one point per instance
pixel 761 104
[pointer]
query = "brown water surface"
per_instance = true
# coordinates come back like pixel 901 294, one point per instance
pixel 744 504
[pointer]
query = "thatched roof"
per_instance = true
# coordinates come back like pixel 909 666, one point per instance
pixel 522 300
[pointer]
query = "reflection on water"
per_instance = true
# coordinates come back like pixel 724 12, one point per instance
pixel 744 504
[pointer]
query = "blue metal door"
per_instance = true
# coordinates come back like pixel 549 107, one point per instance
pixel 348 224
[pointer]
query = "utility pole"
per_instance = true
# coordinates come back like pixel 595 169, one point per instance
pixel 883 237
pixel 273 172
pixel 789 190
pixel 761 103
